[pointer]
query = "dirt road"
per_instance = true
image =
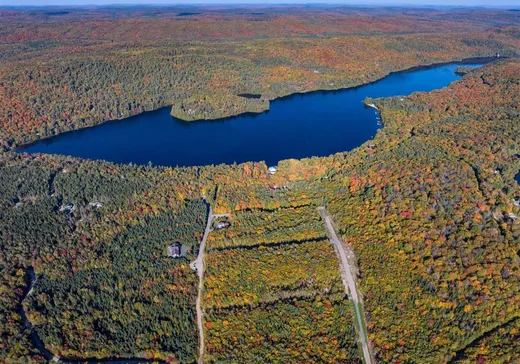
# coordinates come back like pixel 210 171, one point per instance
pixel 350 284
pixel 198 266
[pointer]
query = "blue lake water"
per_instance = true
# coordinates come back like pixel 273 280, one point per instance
pixel 303 125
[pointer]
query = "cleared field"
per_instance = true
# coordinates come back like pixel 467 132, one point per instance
pixel 263 274
pixel 250 228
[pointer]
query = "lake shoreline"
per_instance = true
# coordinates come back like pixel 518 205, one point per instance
pixel 299 126
pixel 483 60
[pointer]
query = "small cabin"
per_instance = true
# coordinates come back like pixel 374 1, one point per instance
pixel 222 225
pixel 175 250
pixel 272 170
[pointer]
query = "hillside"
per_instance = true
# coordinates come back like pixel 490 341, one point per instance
pixel 430 210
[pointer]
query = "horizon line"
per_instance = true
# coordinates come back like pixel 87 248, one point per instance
pixel 380 4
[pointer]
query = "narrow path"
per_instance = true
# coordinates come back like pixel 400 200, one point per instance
pixel 37 342
pixel 51 183
pixel 459 354
pixel 198 266
pixel 216 216
pixel 349 283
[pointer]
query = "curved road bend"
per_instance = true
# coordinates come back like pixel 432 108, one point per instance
pixel 349 284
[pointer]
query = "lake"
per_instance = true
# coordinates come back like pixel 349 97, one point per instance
pixel 302 125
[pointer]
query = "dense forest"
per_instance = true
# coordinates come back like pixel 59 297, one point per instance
pixel 131 299
pixel 430 210
pixel 437 241
pixel 116 295
pixel 315 330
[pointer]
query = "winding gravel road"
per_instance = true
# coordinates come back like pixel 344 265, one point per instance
pixel 349 283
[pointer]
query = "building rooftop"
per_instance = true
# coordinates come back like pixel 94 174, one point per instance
pixel 175 250
pixel 222 225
